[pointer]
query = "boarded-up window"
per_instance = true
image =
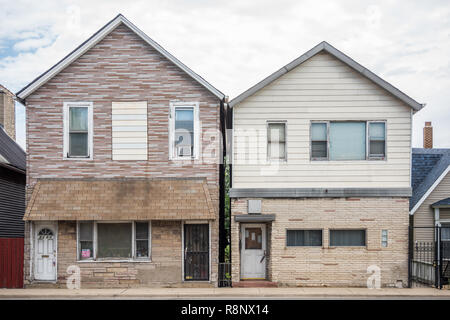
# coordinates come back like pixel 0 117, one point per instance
pixel 129 130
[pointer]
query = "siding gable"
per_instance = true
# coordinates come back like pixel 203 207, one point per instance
pixel 321 88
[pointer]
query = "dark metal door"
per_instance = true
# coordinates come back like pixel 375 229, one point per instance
pixel 196 252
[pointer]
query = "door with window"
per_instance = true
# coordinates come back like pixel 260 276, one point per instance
pixel 196 252
pixel 253 251
pixel 45 253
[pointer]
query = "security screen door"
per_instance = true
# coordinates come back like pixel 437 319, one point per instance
pixel 196 252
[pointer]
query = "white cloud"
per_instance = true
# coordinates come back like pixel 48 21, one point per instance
pixel 236 43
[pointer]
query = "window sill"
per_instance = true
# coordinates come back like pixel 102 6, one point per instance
pixel 118 260
pixel 77 158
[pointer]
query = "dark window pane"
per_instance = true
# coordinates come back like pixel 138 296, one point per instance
pixel 141 248
pixel 347 237
pixel 304 238
pixel 318 149
pixel 86 231
pixel 78 144
pixel 141 230
pixel 114 240
pixel 377 148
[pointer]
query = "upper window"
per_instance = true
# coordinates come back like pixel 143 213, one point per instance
pixel 348 140
pixel 184 131
pixel 276 141
pixel 78 130
pixel 377 140
pixel 345 238
pixel 303 238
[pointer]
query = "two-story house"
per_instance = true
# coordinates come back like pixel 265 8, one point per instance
pixel 123 168
pixel 321 176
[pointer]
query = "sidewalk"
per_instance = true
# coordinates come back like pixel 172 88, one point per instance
pixel 224 293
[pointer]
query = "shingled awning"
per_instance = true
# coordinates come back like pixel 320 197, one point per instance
pixel 120 199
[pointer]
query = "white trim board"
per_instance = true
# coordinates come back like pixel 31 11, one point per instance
pixel 97 37
pixel 430 190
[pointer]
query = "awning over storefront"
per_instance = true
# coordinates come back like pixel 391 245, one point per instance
pixel 120 199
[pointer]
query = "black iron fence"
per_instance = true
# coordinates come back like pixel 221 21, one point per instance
pixel 224 274
pixel 429 261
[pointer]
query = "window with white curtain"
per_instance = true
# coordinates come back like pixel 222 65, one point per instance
pixel 276 141
pixel 346 238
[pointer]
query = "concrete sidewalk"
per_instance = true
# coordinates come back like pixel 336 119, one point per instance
pixel 225 293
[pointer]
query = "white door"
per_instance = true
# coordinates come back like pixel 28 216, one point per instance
pixel 253 251
pixel 45 253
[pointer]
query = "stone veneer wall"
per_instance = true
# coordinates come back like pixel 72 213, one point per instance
pixel 332 266
pixel 164 270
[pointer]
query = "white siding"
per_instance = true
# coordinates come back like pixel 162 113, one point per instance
pixel 129 130
pixel 322 88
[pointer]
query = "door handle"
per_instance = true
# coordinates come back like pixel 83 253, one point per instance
pixel 264 256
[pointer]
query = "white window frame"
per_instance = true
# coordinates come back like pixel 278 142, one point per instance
pixel 66 113
pixel 367 156
pixel 173 106
pixel 268 123
pixel 133 243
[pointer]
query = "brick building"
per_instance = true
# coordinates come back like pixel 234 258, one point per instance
pixel 123 167
pixel 321 176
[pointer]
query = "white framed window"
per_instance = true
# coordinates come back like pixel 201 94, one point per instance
pixel 184 130
pixel 348 140
pixel 78 130
pixel 384 238
pixel 121 240
pixel 276 140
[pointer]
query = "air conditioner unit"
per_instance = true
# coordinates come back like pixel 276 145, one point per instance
pixel 184 151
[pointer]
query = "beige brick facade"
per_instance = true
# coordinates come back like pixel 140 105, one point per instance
pixel 331 266
pixel 123 67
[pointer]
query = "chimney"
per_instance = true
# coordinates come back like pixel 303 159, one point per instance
pixel 7 112
pixel 428 135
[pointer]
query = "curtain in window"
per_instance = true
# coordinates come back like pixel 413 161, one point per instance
pixel 347 140
pixel 277 141
pixel 347 237
pixel 78 131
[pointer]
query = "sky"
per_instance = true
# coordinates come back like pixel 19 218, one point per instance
pixel 234 44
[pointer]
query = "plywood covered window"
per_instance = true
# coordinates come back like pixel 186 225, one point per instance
pixel 129 130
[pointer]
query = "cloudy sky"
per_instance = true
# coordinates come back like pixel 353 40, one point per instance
pixel 236 43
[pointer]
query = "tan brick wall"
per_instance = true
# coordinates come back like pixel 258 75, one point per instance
pixel 164 270
pixel 332 266
pixel 7 113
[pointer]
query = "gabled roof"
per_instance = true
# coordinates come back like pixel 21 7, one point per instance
pixel 324 46
pixel 93 40
pixel 444 203
pixel 429 167
pixel 12 155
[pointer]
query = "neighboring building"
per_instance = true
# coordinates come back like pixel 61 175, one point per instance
pixel 12 197
pixel 7 111
pixel 123 167
pixel 321 175
pixel 430 201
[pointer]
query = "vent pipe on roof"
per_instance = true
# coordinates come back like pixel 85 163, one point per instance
pixel 428 135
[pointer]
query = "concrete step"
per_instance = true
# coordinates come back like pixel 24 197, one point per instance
pixel 254 284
